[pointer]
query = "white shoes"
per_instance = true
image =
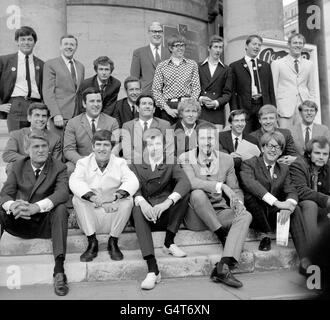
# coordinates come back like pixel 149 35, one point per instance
pixel 175 251
pixel 150 281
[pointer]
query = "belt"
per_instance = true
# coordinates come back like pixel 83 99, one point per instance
pixel 27 99
pixel 256 98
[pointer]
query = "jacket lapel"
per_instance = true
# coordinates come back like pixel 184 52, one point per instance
pixel 41 177
pixel 29 174
pixel 151 56
pixel 245 66
pixel 66 70
pixel 288 61
pixel 205 69
pixel 264 169
pixel 37 68
pixel 86 126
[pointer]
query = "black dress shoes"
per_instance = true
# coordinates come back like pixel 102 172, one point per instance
pixel 60 284
pixel 114 250
pixel 91 251
pixel 265 244
pixel 226 278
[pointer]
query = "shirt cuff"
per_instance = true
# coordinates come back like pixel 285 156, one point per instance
pixel 138 199
pixel 217 103
pixel 45 205
pixel 175 197
pixel 218 187
pixel 292 201
pixel 7 205
pixel 269 198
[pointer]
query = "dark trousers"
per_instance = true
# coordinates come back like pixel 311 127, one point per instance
pixel 253 123
pixel 53 224
pixel 164 115
pixel 169 220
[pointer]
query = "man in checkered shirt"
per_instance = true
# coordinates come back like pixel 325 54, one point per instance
pixel 175 79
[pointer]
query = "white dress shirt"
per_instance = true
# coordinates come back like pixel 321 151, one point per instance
pixel 153 50
pixel 90 120
pixel 67 63
pixel 304 127
pixel 148 123
pixel 233 137
pixel 254 88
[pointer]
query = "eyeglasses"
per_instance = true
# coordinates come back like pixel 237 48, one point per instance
pixel 272 147
pixel 179 45
pixel 156 31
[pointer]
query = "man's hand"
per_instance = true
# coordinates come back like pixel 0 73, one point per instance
pixel 211 104
pixel 147 211
pixel 171 112
pixel 285 205
pixel 26 210
pixel 97 200
pixel 161 207
pixel 237 205
pixel 286 160
pixel 284 216
pixel 110 207
pixel 58 121
pixel 5 107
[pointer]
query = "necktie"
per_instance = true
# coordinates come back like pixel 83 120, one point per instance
pixel 102 87
pixel 307 135
pixel 296 66
pixel 93 126
pixel 145 127
pixel 236 143
pixel 268 168
pixel 157 56
pixel 28 78
pixel 37 172
pixel 73 73
pixel 255 75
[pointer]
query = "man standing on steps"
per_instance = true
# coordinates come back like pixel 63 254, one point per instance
pixel 103 187
pixel 212 177
pixel 32 202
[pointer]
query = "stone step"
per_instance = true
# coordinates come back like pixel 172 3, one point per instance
pixel 38 269
pixel 77 242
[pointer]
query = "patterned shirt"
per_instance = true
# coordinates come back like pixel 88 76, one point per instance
pixel 175 81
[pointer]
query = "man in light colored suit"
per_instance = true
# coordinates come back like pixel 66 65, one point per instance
pixel 79 130
pixel 38 114
pixel 145 59
pixel 132 131
pixel 307 129
pixel 293 78
pixel 61 80
pixel 212 175
pixel 103 187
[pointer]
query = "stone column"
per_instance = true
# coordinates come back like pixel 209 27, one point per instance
pixel 245 17
pixel 46 17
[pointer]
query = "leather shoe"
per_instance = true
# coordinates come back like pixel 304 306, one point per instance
pixel 114 250
pixel 150 281
pixel 91 251
pixel 265 244
pixel 226 278
pixel 60 284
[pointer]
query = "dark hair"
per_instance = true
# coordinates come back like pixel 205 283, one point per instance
pixel 276 135
pixel 25 31
pixel 175 38
pixel 214 39
pixel 70 36
pixel 102 135
pixel 89 90
pixel 39 106
pixel 309 104
pixel 131 79
pixel 295 34
pixel 143 95
pixel 251 37
pixel 103 60
pixel 320 140
pixel 235 113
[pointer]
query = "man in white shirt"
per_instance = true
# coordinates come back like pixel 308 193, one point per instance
pixel 20 80
pixel 33 202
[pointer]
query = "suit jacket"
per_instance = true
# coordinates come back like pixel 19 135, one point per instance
pixel 221 170
pixel 59 90
pixel 156 186
pixel 301 177
pixel 109 96
pixel 22 184
pixel 256 180
pixel 121 110
pixel 241 95
pixel 289 86
pixel 289 150
pixel 8 75
pixel 218 87
pixel 88 177
pixel 14 149
pixel 299 138
pixel 78 135
pixel 143 65
pixel 132 138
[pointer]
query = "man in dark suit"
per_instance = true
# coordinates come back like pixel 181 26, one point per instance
pixel 33 202
pixel 146 59
pixel 132 131
pixel 216 83
pixel 160 203
pixel 268 120
pixel 125 109
pixel 109 86
pixel 38 115
pixel 252 83
pixel 310 175
pixel 61 81
pixel 268 190
pixel 20 80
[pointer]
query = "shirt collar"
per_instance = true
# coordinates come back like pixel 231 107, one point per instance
pixel 240 137
pixel 207 60
pixel 292 59
pixel 153 47
pixel 21 55
pixel 34 168
pixel 304 126
pixel 248 59
pixel 202 158
pixel 183 60
pixel 152 162
pixel 90 119
pixel 99 82
pixel 148 122
pixel 66 60
pixel 271 165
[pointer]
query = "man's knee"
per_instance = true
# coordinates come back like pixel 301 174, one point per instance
pixel 60 212
pixel 198 196
pixel 125 207
pixel 308 206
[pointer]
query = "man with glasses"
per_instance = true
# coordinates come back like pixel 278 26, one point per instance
pixel 175 79
pixel 146 59
pixel 307 129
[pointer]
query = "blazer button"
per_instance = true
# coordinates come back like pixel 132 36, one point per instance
pixel 319 183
